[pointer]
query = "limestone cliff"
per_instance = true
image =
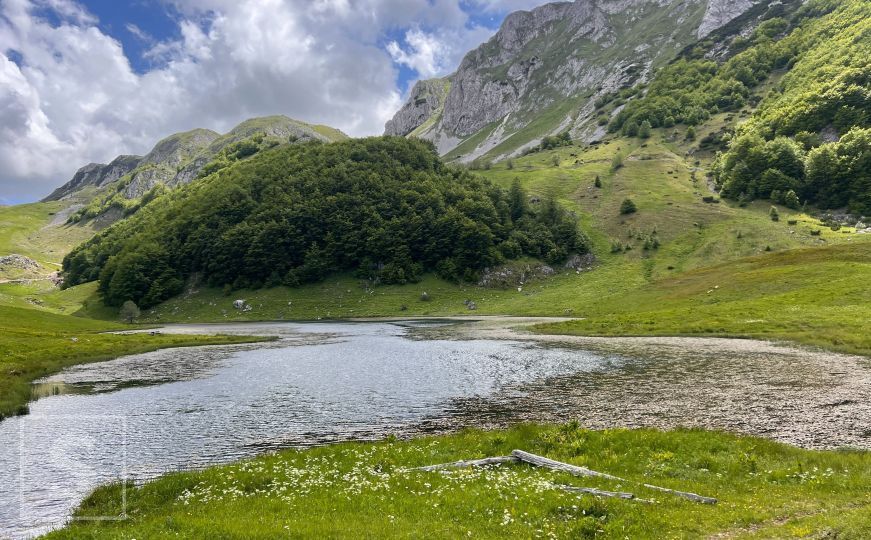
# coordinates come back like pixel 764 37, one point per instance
pixel 542 71
pixel 426 101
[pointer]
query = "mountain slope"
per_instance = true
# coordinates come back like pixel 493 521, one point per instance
pixel 96 175
pixel 544 69
pixel 178 159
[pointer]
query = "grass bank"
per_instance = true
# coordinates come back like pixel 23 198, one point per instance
pixel 765 490
pixel 814 296
pixel 817 297
pixel 35 344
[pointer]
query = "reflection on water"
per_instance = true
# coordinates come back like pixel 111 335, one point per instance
pixel 141 416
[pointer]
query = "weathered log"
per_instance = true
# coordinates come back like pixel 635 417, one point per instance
pixel 583 471
pixel 686 495
pixel 597 492
pixel 540 461
pixel 518 456
pixel 470 463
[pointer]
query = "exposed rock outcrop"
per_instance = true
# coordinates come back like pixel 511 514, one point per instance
pixel 542 71
pixel 18 262
pixel 96 175
pixel 427 99
pixel 720 12
pixel 178 159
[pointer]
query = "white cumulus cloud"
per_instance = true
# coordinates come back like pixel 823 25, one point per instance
pixel 69 96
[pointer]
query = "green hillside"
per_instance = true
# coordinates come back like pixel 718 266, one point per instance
pixel 809 139
pixel 38 231
pixel 385 208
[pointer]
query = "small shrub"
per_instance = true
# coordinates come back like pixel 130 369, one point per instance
pixel 129 312
pixel 651 242
pixel 792 222
pixel 816 232
pixel 790 199
pixel 774 214
pixel 617 162
pixel 644 129
pixel 557 141
pixel 628 207
pixel 598 182
pixel 424 297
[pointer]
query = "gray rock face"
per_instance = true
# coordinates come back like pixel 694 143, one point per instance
pixel 720 12
pixel 17 262
pixel 97 175
pixel 178 159
pixel 166 159
pixel 177 149
pixel 554 61
pixel 426 100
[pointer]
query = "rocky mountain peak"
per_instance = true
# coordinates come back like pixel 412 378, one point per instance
pixel 179 158
pixel 541 72
pixel 426 100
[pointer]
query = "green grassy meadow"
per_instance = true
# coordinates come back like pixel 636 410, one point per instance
pixel 26 231
pixel 765 490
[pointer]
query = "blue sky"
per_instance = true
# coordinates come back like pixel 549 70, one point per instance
pixel 137 24
pixel 86 80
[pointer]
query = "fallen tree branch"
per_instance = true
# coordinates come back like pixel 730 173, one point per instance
pixel 540 461
pixel 686 495
pixel 518 456
pixel 470 463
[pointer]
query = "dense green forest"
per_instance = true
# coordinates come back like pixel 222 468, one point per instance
pixel 386 208
pixel 808 140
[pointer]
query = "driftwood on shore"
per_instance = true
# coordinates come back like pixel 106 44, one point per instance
pixel 518 456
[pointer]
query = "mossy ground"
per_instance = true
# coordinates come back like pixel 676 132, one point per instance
pixel 765 490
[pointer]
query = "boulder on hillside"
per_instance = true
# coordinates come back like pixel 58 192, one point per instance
pixel 18 262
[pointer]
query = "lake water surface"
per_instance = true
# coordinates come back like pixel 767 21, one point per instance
pixel 141 416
